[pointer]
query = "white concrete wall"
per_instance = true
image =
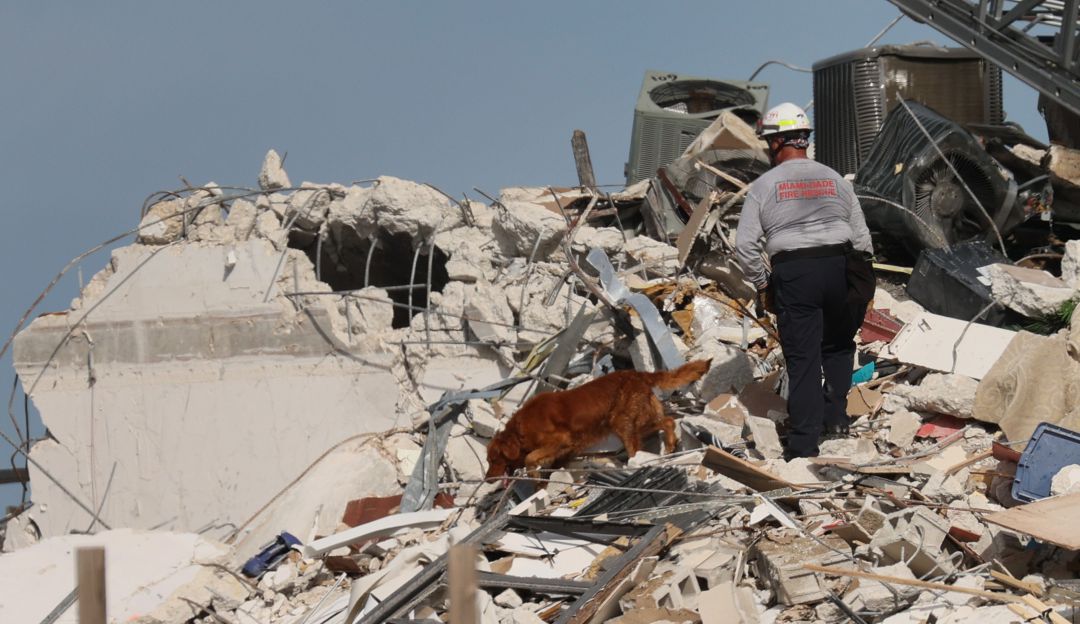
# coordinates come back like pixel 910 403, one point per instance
pixel 206 400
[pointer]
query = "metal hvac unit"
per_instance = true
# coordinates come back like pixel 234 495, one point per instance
pixel 672 110
pixel 855 91
pixel 918 197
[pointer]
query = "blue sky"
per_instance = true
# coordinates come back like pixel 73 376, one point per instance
pixel 103 105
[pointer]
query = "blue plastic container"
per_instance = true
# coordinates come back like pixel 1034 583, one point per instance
pixel 1050 449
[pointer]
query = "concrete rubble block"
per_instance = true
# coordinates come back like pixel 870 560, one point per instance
pixel 731 370
pixel 876 596
pixel 523 226
pixel 268 225
pixel 867 521
pixel 658 258
pixel 943 488
pixel 763 433
pixel 942 461
pixel 484 421
pixel 272 175
pixel 370 311
pixel 509 599
pixel 305 511
pixel 307 208
pixel 607 238
pixel 1064 164
pixel 163 222
pixel 915 536
pixel 780 557
pixel 955 598
pixel 489 316
pixel 727 434
pixel 1030 292
pixel 241 219
pixel 208 222
pixel 902 427
pixel 467 455
pixel 943 393
pixel 727 603
pixel 921 525
pixel 1066 481
pixel 798 470
pixel 402 207
pixel 677 589
pixel 1070 264
pixel 855 450
pixel 148 572
pixel 470 250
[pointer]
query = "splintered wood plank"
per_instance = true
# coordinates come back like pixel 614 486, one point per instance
pixel 744 472
pixel 1050 520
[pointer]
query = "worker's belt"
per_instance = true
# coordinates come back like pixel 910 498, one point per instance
pixel 822 251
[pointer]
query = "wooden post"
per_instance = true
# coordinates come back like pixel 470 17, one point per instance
pixel 583 160
pixel 461 570
pixel 90 577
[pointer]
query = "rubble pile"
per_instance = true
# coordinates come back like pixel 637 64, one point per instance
pixel 313 373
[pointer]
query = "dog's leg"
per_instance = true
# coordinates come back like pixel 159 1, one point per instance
pixel 661 421
pixel 626 424
pixel 543 458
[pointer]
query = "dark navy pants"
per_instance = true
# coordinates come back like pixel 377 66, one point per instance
pixel 817 329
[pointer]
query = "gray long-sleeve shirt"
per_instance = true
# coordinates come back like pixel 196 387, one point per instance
pixel 799 203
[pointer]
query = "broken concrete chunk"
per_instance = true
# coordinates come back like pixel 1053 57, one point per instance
pixel 943 487
pixel 307 207
pixel 522 226
pixel 673 590
pixel 875 596
pixel 241 219
pixel 780 558
pixel 763 433
pixel 1070 264
pixel 728 604
pixel 509 599
pixel 403 207
pixel 489 316
pixel 272 175
pixel 609 239
pixel 730 371
pixel 1066 481
pixel 855 450
pixel 466 454
pixel 1030 292
pixel 484 421
pixel 942 461
pixel 163 223
pixel 657 257
pixel 943 393
pixel 1064 164
pixel 902 427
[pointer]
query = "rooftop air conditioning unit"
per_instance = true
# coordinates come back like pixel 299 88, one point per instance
pixel 855 91
pixel 925 179
pixel 672 110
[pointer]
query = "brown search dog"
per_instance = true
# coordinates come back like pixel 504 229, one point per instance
pixel 557 425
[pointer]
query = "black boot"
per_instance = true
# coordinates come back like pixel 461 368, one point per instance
pixel 836 432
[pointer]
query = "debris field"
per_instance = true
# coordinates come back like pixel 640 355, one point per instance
pixel 274 406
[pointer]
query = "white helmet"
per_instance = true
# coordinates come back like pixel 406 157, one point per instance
pixel 785 117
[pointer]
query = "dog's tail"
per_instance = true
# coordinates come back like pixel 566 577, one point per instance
pixel 682 376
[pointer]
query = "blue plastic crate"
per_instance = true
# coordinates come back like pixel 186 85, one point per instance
pixel 1050 449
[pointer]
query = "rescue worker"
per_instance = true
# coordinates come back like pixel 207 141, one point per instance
pixel 814 234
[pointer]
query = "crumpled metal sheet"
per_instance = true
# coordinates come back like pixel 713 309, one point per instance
pixel 659 335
